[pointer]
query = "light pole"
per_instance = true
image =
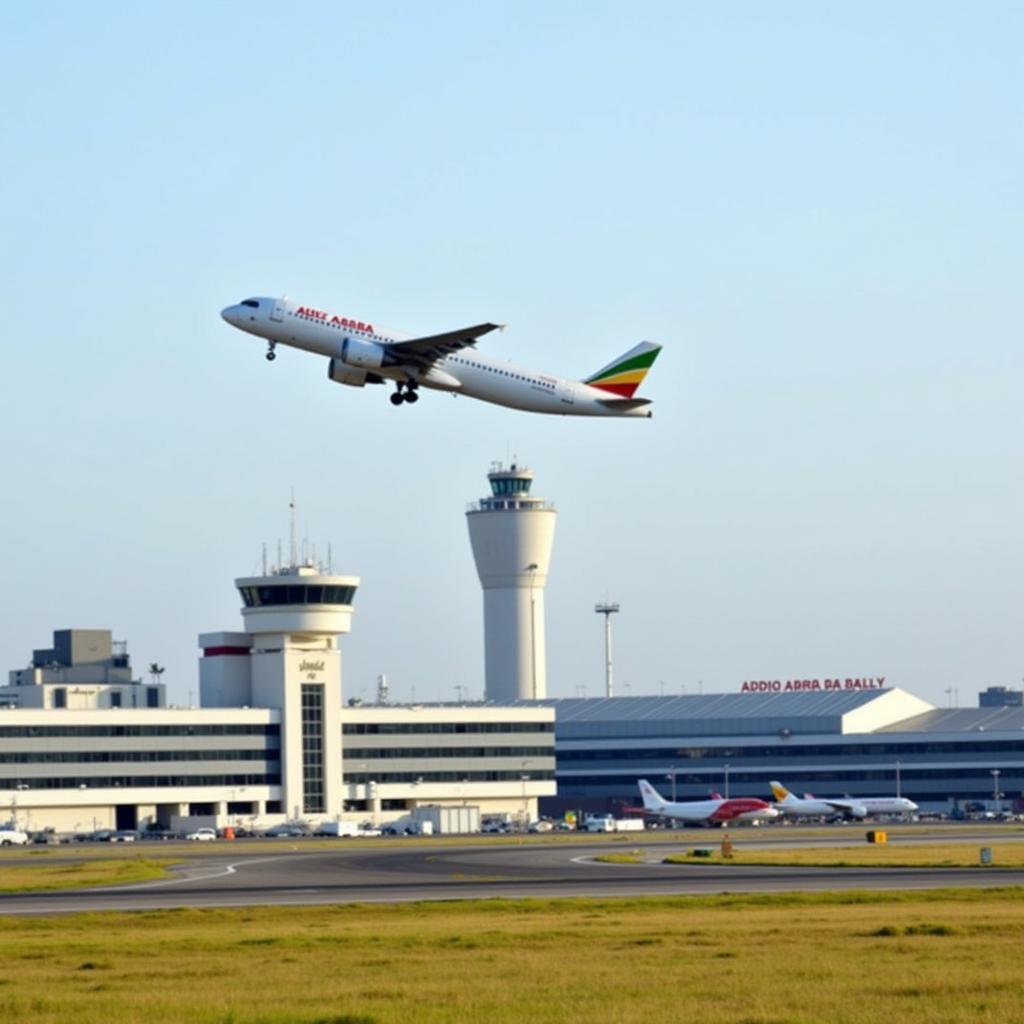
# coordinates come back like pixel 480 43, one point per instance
pixel 726 782
pixel 607 610
pixel 672 775
pixel 19 788
pixel 898 794
pixel 524 777
pixel 996 795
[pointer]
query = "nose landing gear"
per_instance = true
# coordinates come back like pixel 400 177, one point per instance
pixel 271 354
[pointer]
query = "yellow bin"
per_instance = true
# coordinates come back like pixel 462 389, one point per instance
pixel 878 837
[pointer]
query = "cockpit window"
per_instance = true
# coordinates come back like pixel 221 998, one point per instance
pixel 251 302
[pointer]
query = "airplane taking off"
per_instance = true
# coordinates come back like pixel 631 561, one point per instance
pixel 361 353
pixel 849 807
pixel 716 811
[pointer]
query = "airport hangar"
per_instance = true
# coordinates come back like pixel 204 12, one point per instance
pixel 856 742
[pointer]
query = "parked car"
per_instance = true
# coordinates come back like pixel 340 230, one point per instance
pixel 158 833
pixel 124 835
pixel 101 835
pixel 12 837
pixel 286 831
pixel 202 835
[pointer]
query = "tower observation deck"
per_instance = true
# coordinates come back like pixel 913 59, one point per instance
pixel 512 533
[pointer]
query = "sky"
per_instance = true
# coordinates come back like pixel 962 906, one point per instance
pixel 816 209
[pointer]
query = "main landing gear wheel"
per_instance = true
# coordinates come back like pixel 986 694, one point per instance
pixel 271 354
pixel 408 395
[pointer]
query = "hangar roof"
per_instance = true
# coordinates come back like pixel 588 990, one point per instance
pixel 733 714
pixel 962 720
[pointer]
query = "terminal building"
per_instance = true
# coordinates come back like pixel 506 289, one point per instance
pixel 273 740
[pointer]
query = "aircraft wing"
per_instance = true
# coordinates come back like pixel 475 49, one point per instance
pixel 425 351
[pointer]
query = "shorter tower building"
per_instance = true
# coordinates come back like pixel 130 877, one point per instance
pixel 512 533
pixel 85 669
pixel 288 658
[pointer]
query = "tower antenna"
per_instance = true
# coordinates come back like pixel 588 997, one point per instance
pixel 293 554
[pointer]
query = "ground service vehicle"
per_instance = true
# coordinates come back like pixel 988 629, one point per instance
pixel 13 837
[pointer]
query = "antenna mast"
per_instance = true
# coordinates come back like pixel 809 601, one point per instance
pixel 291 530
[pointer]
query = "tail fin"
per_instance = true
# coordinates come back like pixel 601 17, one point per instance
pixel 780 791
pixel 652 798
pixel 624 375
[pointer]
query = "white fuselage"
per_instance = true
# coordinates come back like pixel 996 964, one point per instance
pixel 465 372
pixel 716 810
pixel 813 807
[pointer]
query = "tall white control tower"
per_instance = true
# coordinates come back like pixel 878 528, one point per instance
pixel 512 532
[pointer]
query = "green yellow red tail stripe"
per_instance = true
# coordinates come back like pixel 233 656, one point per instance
pixel 624 375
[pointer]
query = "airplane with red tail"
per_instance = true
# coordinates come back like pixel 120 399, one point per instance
pixel 716 811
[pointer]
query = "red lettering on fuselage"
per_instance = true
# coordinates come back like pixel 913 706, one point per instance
pixel 339 321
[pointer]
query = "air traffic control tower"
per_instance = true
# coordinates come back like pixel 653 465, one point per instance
pixel 512 532
pixel 289 658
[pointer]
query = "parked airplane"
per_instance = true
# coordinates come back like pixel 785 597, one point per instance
pixel 361 353
pixel 716 811
pixel 849 807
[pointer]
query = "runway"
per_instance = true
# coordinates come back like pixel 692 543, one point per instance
pixel 397 873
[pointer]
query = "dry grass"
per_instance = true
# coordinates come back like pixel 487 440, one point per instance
pixel 34 877
pixel 936 958
pixel 880 856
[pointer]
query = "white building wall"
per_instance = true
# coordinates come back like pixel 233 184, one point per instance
pixel 505 544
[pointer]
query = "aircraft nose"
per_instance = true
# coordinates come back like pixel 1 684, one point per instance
pixel 230 314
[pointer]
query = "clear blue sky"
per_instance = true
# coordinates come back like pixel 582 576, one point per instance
pixel 815 208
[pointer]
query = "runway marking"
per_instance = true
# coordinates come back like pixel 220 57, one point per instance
pixel 189 875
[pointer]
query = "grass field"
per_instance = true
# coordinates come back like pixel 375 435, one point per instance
pixel 886 856
pixel 38 876
pixel 929 958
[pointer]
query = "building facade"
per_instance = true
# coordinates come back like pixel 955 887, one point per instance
pixel 269 743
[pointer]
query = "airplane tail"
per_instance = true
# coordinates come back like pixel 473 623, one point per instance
pixel 780 791
pixel 622 376
pixel 652 798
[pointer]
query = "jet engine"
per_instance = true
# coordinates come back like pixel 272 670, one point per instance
pixel 365 354
pixel 342 374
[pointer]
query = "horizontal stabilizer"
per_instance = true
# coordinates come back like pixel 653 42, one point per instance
pixel 624 404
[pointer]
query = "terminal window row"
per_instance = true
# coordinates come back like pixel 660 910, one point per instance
pixel 19 732
pixel 362 778
pixel 141 781
pixel 775 753
pixel 428 753
pixel 114 756
pixel 436 728
pixel 808 776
